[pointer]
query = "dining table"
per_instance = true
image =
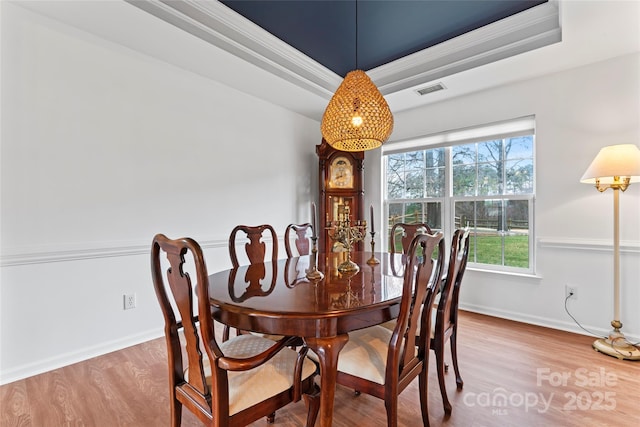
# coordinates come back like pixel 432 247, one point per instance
pixel 277 298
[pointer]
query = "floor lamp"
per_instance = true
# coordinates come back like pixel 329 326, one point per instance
pixel 615 167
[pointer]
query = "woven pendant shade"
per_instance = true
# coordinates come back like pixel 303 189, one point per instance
pixel 357 117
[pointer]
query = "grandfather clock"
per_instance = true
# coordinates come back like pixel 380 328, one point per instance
pixel 341 193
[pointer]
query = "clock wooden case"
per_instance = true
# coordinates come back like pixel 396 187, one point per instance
pixel 341 181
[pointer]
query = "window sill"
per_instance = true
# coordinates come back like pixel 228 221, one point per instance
pixel 506 273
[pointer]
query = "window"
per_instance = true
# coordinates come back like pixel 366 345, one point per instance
pixel 483 180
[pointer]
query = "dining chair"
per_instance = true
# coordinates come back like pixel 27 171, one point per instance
pixel 225 384
pixel 255 248
pixel 382 362
pixel 301 241
pixel 403 233
pixel 444 322
pixel 255 251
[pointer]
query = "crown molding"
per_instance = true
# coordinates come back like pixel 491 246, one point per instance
pixel 220 26
pixel 522 32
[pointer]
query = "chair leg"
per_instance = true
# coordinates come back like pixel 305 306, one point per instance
pixel 423 385
pixel 226 333
pixel 392 411
pixel 454 358
pixel 176 413
pixel 439 351
pixel 271 418
pixel 312 402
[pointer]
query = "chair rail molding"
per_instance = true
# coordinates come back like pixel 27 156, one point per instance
pixel 45 254
pixel 597 245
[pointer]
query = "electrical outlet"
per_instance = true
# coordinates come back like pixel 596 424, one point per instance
pixel 571 292
pixel 129 301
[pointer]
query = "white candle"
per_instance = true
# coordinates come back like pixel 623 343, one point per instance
pixel 371 209
pixel 313 218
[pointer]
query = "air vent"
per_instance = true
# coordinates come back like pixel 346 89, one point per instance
pixel 429 89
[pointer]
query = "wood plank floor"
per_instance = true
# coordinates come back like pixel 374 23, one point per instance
pixel 514 375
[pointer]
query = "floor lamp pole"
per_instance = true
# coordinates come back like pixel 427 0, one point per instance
pixel 616 257
pixel 616 344
pixel 615 167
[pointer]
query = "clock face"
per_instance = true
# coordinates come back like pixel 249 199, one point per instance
pixel 341 173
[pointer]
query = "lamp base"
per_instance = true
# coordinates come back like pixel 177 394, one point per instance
pixel 616 345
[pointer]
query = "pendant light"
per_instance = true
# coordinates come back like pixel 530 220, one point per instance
pixel 357 118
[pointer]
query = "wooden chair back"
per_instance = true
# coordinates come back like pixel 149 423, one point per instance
pixel 194 392
pixel 447 312
pixel 201 382
pixel 446 316
pixel 404 233
pixel 256 254
pixel 255 248
pixel 407 352
pixel 409 343
pixel 301 242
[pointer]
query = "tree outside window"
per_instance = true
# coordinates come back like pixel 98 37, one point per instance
pixel 489 186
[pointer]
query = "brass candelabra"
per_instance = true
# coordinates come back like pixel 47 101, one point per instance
pixel 347 234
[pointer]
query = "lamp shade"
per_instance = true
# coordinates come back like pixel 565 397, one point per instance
pixel 357 118
pixel 621 161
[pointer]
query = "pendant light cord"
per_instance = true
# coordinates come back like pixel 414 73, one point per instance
pixel 356 34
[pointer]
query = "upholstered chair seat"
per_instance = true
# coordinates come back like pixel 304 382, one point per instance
pixel 247 388
pixel 365 354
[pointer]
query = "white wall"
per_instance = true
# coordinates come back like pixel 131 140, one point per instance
pixel 577 112
pixel 102 148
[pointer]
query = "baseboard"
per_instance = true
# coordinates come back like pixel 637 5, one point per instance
pixel 60 361
pixel 32 369
pixel 568 326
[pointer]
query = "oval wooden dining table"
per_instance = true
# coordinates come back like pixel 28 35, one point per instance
pixel 278 299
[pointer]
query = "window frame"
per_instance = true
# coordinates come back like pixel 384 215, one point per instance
pixel 502 130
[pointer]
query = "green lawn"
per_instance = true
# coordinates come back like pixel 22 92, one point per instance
pixel 490 250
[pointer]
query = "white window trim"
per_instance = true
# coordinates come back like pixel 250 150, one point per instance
pixel 498 130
